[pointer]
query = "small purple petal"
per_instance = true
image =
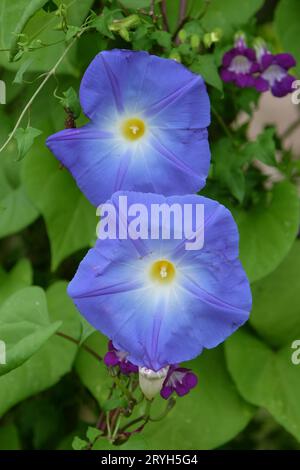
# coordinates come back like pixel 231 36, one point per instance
pixel 110 359
pixel 285 60
pixel 283 87
pixel 261 84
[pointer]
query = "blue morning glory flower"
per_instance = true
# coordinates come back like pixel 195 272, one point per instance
pixel 156 300
pixel 147 130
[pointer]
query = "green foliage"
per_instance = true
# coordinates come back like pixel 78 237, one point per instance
pixel 45 337
pixel 266 378
pixel 287 28
pixel 52 361
pixel 268 230
pixel 214 403
pixel 25 139
pixel 276 309
pixel 24 326
pixel 50 187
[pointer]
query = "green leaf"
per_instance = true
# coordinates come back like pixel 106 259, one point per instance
pixel 227 167
pixel 163 38
pixel 214 411
pixel 19 276
pixel 263 148
pixel 24 67
pixel 71 101
pixel 25 139
pixel 93 433
pixel 24 326
pixel 52 361
pixel 70 218
pixel 206 66
pixel 268 230
pixel 79 444
pixel 136 3
pixel 287 27
pixel 29 9
pixel 228 17
pixel 10 14
pixel 276 310
pixel 16 210
pixel 71 32
pixel 94 374
pixel 266 378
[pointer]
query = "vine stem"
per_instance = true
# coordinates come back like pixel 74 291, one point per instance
pixel 76 341
pixel 41 86
pixel 163 9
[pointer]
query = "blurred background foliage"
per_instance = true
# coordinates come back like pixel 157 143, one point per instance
pixel 53 390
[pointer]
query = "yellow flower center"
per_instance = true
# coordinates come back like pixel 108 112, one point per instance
pixel 163 271
pixel 133 129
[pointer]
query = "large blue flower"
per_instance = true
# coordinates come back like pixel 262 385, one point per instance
pixel 147 131
pixel 154 299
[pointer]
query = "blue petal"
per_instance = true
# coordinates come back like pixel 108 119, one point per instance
pixel 209 300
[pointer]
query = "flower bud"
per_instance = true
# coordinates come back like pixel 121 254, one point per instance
pixel 151 382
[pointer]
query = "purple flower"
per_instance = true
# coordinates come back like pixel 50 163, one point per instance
pixel 115 358
pixel 154 298
pixel 239 64
pixel 274 74
pixel 178 380
pixel 147 130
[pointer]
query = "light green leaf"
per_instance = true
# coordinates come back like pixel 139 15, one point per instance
pixel 25 139
pixel 19 276
pixel 94 374
pixel 93 433
pixel 268 230
pixel 229 17
pixel 206 66
pixel 24 67
pixel 266 378
pixel 43 58
pixel 287 27
pixel 70 101
pixel 163 38
pixel 79 444
pixel 276 309
pixel 263 148
pixel 70 218
pixel 214 411
pixel 29 9
pixel 16 210
pixel 136 3
pixel 52 361
pixel 24 326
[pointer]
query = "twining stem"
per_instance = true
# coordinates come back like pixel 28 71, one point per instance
pixel 41 86
pixel 182 10
pixel 76 341
pixel 163 9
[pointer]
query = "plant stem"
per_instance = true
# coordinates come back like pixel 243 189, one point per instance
pixel 182 10
pixel 76 341
pixel 163 9
pixel 41 86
